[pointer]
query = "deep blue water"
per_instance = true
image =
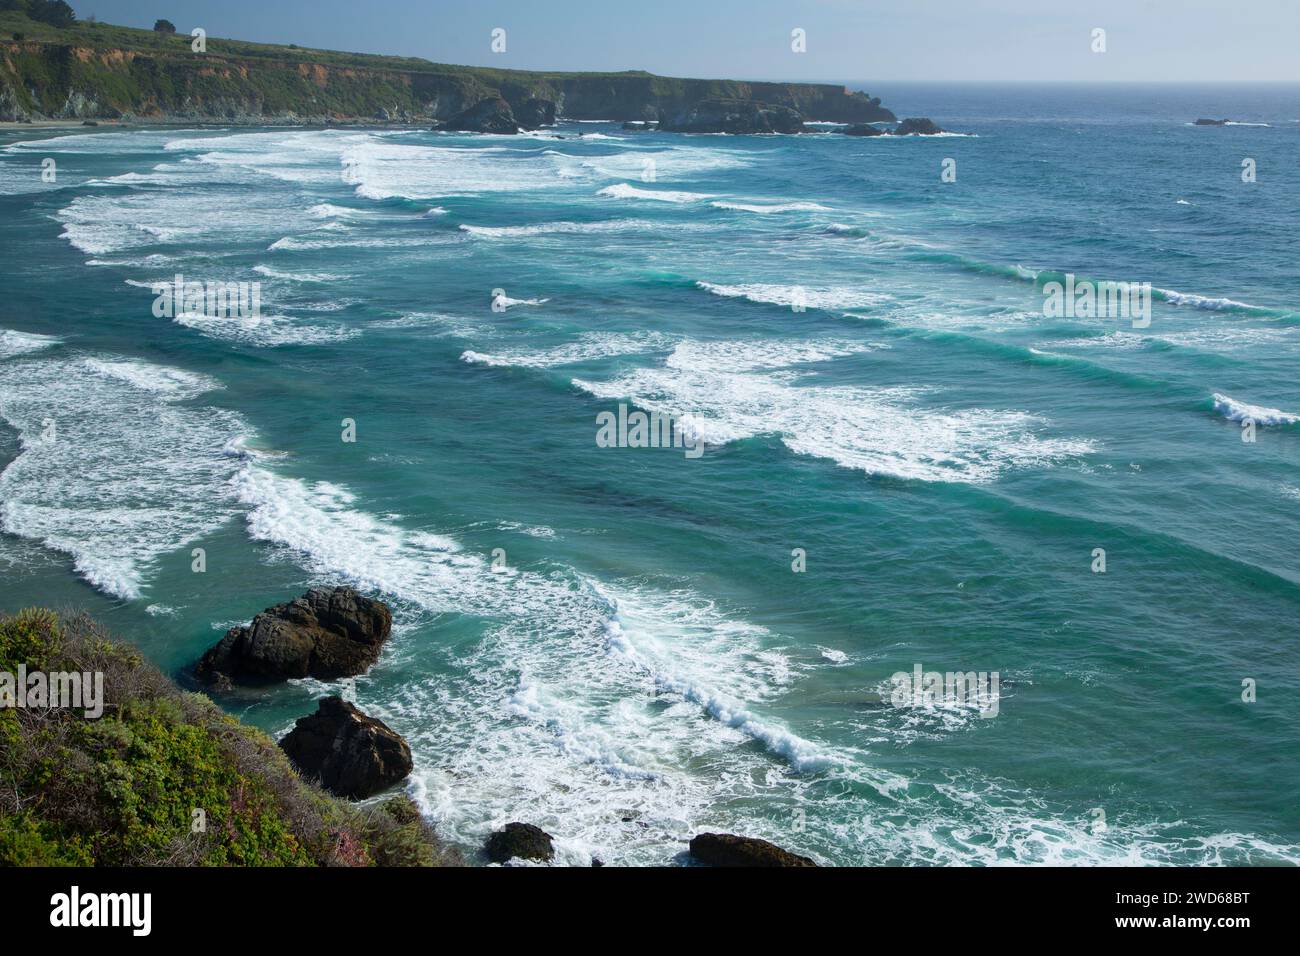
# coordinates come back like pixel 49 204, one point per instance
pixel 646 664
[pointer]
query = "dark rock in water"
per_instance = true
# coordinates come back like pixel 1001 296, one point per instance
pixel 726 849
pixel 536 113
pixel 327 633
pixel 916 126
pixel 89 122
pixel 720 115
pixel 353 755
pixel 1211 122
pixel 521 840
pixel 489 115
pixel 862 129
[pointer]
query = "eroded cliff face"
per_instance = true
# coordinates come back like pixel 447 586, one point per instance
pixel 67 81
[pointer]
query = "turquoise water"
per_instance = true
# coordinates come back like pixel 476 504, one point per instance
pixel 645 663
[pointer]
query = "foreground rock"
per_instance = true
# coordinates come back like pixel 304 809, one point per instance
pixel 726 849
pixel 917 126
pixel 522 840
pixel 352 755
pixel 862 129
pixel 327 633
pixel 490 115
pixel 718 115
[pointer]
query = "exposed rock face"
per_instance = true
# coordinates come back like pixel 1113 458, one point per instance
pixel 489 115
pixel 327 633
pixel 521 840
pixel 726 849
pixel 353 755
pixel 720 115
pixel 536 113
pixel 916 126
pixel 862 129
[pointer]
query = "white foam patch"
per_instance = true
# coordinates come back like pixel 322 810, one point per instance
pixel 273 273
pixel 554 228
pixel 265 331
pixel 880 431
pixel 23 343
pixel 384 170
pixel 769 208
pixel 1235 411
pixel 791 295
pixel 628 191
pixel 127 475
pixel 592 345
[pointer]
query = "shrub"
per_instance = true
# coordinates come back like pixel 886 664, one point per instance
pixel 164 26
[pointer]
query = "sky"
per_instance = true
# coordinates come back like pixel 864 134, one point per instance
pixel 846 40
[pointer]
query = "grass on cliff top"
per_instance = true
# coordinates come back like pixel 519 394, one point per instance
pixel 121 790
pixel 110 36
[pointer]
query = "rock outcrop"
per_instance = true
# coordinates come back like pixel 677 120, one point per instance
pixel 1211 122
pixel 536 113
pixel 327 633
pixel 916 126
pixel 862 129
pixel 726 849
pixel 352 755
pixel 522 840
pixel 491 114
pixel 719 115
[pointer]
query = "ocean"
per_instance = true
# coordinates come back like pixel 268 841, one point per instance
pixel 892 457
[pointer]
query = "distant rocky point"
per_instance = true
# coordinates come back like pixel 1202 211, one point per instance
pixel 105 71
pixel 327 633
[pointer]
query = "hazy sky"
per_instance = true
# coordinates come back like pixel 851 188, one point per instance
pixel 1030 40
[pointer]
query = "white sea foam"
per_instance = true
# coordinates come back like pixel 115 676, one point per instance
pixel 272 273
pixel 628 191
pixel 552 228
pixel 1235 411
pixel 790 295
pixel 880 431
pixel 129 476
pixel 265 331
pixel 22 343
pixel 592 345
pixel 764 209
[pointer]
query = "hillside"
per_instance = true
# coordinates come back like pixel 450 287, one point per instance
pixel 163 777
pixel 100 71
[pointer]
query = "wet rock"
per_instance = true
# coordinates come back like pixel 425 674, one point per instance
pixel 327 633
pixel 916 126
pixel 489 115
pixel 536 113
pixel 351 754
pixel 726 849
pixel 719 115
pixel 522 840
pixel 862 129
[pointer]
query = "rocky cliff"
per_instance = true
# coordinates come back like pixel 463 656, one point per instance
pixel 102 71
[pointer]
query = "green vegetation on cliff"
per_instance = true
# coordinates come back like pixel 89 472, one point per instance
pixel 97 70
pixel 122 789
